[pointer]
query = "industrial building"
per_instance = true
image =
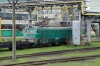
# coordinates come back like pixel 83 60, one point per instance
pixel 45 23
pixel 80 12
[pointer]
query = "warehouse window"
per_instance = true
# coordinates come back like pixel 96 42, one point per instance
pixel 8 16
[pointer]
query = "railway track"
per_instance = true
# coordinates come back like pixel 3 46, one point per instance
pixel 36 63
pixel 51 53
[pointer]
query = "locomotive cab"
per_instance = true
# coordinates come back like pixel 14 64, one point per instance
pixel 28 34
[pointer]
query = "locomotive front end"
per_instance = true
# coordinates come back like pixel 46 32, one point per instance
pixel 29 34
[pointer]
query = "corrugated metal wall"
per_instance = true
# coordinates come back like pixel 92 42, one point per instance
pixel 93 5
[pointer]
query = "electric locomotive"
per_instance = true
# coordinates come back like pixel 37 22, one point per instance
pixel 47 33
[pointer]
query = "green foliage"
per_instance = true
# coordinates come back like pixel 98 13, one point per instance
pixel 93 62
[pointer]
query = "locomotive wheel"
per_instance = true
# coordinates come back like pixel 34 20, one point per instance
pixel 56 44
pixel 60 43
pixel 30 45
pixel 23 47
pixel 20 47
pixel 33 45
pixel 50 44
pixel 39 45
pixel 64 43
pixel 53 44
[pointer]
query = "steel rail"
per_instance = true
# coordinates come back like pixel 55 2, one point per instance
pixel 56 60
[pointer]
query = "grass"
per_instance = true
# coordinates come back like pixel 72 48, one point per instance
pixel 93 62
pixel 66 55
pixel 82 54
pixel 46 49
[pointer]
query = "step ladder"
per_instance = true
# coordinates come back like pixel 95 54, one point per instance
pixel 95 29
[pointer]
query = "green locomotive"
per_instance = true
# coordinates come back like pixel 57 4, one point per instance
pixel 47 35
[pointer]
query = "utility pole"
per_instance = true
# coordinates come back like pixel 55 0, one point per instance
pixel 14 31
pixel 0 30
